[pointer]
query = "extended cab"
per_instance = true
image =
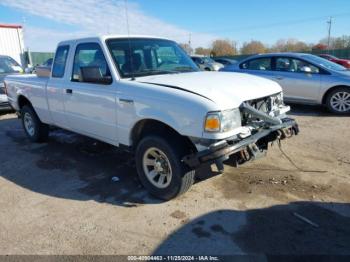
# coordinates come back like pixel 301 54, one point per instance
pixel 146 95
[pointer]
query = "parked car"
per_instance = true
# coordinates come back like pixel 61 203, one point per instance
pixel 343 62
pixel 304 78
pixel 174 117
pixel 206 63
pixel 8 66
pixel 225 61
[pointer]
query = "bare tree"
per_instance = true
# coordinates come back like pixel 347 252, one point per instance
pixel 223 47
pixel 337 42
pixel 319 47
pixel 202 51
pixel 253 47
pixel 290 45
pixel 188 49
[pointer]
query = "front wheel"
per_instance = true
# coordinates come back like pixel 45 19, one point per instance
pixel 338 100
pixel 160 168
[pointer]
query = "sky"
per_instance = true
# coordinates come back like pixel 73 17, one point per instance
pixel 48 22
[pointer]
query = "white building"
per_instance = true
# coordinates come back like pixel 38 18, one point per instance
pixel 11 42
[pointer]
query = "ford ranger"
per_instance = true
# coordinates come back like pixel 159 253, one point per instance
pixel 146 95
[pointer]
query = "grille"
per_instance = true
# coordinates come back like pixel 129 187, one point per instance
pixel 267 105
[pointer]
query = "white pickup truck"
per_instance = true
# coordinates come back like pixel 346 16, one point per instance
pixel 146 95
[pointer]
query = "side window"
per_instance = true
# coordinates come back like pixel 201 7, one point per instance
pixel 262 64
pixel 284 64
pixel 299 65
pixel 60 61
pixel 287 64
pixel 90 65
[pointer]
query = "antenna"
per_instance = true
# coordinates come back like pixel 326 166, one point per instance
pixel 129 42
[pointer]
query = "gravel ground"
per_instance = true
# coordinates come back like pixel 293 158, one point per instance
pixel 60 198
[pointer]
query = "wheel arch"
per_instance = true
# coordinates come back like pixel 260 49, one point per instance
pixel 22 101
pixel 324 98
pixel 152 126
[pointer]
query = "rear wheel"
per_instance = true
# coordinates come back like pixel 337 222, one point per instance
pixel 33 127
pixel 338 100
pixel 160 168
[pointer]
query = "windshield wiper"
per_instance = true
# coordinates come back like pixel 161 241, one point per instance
pixel 155 72
pixel 146 72
pixel 184 69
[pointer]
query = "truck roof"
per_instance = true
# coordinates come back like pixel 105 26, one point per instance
pixel 105 37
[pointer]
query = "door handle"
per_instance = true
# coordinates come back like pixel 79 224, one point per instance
pixel 69 91
pixel 126 101
pixel 279 77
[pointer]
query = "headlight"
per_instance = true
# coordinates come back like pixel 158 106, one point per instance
pixel 223 121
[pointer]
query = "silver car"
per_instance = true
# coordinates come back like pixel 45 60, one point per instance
pixel 206 63
pixel 305 78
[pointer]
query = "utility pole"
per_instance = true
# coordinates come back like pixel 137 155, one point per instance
pixel 329 22
pixel 189 42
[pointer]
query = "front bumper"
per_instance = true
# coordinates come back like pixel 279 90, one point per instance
pixel 253 145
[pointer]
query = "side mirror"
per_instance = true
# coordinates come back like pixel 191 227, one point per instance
pixel 43 71
pixel 93 74
pixel 306 69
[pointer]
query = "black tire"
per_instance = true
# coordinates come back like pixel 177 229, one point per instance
pixel 331 95
pixel 207 69
pixel 41 130
pixel 182 177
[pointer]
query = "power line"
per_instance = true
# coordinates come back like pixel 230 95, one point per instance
pixel 266 26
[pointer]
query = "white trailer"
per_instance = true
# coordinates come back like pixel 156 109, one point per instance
pixel 11 42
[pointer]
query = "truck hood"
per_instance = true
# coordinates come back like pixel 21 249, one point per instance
pixel 226 89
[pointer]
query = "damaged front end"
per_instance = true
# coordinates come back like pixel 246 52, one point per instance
pixel 266 121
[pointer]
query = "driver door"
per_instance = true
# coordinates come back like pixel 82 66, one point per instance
pixel 90 107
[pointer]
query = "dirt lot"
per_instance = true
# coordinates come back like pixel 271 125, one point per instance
pixel 60 198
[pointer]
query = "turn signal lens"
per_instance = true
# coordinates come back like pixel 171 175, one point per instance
pixel 212 123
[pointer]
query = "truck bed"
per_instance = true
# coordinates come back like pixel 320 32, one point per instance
pixel 32 87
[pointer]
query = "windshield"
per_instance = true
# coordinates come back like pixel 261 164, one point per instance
pixel 143 57
pixel 324 62
pixel 9 65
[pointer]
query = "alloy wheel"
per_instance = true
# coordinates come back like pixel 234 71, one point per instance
pixel 340 101
pixel 29 124
pixel 157 168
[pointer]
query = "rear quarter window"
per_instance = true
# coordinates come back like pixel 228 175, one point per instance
pixel 59 63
